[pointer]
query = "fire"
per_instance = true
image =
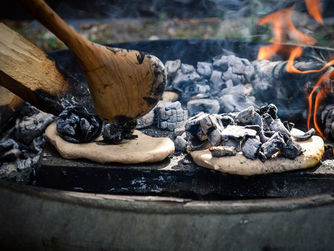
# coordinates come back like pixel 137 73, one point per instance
pixel 313 7
pixel 283 28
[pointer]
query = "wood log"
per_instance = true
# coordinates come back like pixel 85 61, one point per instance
pixel 27 71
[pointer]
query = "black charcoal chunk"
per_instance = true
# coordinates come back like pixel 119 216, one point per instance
pixel 203 105
pixel 115 133
pixel 246 116
pixel 251 147
pixel 291 150
pixel 170 115
pixel 216 80
pixel 180 144
pixel 227 120
pixel 289 125
pixel 307 135
pixel 172 67
pixel 32 125
pixel 204 69
pixel 277 126
pixel 215 137
pixel 9 150
pixel 75 124
pixel 222 151
pixel 186 75
pixel 272 146
pixel 201 128
pixel 271 109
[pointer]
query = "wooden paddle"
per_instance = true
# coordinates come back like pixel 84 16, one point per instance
pixel 124 84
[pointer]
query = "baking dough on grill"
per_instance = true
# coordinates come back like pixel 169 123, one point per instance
pixel 139 150
pixel 240 165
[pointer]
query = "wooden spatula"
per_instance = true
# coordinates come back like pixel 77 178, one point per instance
pixel 124 84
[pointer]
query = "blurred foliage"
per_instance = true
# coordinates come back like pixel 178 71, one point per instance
pixel 164 27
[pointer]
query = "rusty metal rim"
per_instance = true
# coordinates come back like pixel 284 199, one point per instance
pixel 166 205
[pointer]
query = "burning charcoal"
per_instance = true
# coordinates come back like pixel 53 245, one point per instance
pixel 222 151
pixel 76 125
pixel 180 144
pixel 272 146
pixel 170 115
pixel 307 135
pixel 146 121
pixel 246 116
pixel 32 125
pixel 250 148
pixel 291 150
pixel 203 105
pixel 172 67
pixel 115 133
pixel 204 69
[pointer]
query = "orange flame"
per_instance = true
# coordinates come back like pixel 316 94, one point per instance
pixel 313 7
pixel 297 52
pixel 283 27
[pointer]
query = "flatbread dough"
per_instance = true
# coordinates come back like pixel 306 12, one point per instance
pixel 139 150
pixel 240 165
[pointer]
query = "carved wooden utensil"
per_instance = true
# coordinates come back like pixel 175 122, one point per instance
pixel 124 84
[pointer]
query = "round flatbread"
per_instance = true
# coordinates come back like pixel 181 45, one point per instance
pixel 139 150
pixel 240 165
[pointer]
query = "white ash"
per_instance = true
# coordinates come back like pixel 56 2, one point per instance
pixel 21 148
pixel 248 131
pixel 170 115
pixel 222 151
pixel 146 121
pixel 204 69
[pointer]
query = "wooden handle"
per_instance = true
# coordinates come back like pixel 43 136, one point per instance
pixel 45 15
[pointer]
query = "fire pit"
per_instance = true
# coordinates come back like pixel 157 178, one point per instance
pixel 82 200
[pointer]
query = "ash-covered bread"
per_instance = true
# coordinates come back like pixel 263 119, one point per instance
pixel 261 142
pixel 313 150
pixel 257 133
